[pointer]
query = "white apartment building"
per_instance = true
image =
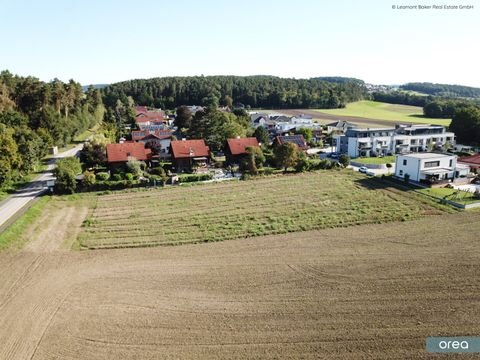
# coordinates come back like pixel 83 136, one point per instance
pixel 399 140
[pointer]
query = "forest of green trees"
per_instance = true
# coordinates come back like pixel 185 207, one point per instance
pixel 35 115
pixel 251 91
pixel 443 90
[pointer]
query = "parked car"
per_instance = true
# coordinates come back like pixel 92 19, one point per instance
pixel 370 173
pixel 363 169
pixel 334 155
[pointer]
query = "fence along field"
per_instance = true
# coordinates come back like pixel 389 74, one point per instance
pixel 222 211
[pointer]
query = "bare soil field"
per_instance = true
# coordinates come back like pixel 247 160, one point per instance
pixel 364 292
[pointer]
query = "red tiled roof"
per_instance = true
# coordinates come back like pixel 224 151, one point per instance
pixel 139 134
pixel 151 115
pixel 161 134
pixel 237 146
pixel 474 159
pixel 123 152
pixel 189 148
pixel 298 140
pixel 140 109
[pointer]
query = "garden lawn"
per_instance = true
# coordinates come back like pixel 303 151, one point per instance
pixel 459 196
pixel 229 210
pixel 376 160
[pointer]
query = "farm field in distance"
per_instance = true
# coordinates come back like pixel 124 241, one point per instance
pixel 384 111
pixel 368 114
pixel 229 210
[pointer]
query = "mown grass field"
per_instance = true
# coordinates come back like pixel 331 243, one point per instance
pixel 384 111
pixel 221 211
pixel 376 160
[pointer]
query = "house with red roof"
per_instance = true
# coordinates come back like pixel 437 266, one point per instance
pixel 298 140
pixel 119 154
pixel 150 118
pixel 237 148
pixel 140 110
pixel 190 155
pixel 157 140
pixel 472 161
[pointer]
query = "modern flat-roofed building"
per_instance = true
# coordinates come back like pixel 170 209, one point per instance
pixel 402 139
pixel 426 167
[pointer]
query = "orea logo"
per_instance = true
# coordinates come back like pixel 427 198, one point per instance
pixel 454 345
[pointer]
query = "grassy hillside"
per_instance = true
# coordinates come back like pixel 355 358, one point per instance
pixel 384 111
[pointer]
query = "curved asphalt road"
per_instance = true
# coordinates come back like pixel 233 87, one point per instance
pixel 10 206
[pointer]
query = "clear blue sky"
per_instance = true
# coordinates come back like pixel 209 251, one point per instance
pixel 103 41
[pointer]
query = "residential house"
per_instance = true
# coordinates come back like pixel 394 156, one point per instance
pixel 298 140
pixel 194 108
pixel 190 155
pixel 236 148
pixel 119 154
pixel 472 161
pixel 259 119
pixel 280 118
pixel 158 140
pixel 358 142
pixel 302 119
pixel 140 110
pixel 339 126
pixel 426 167
pixel 145 117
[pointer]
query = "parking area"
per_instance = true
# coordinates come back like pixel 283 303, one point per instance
pixel 376 172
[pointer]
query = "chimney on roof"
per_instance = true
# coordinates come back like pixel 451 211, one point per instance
pixel 238 137
pixel 183 139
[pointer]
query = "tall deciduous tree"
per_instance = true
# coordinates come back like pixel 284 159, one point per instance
pixel 466 125
pixel 183 119
pixel 286 155
pixel 9 157
pixel 65 173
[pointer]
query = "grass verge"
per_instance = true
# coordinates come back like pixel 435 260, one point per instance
pixel 12 236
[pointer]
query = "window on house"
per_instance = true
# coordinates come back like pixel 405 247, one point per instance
pixel 400 173
pixel 451 162
pixel 430 164
pixel 404 162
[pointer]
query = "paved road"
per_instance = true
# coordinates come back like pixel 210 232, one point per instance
pixel 10 206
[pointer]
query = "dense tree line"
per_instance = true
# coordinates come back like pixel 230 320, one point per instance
pixel 253 91
pixel 35 115
pixel 443 90
pixel 443 108
pixel 401 98
pixel 466 125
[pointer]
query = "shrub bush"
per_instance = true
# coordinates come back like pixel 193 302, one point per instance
pixel 102 176
pixel 194 177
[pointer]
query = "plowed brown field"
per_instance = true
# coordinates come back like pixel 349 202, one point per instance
pixel 363 292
